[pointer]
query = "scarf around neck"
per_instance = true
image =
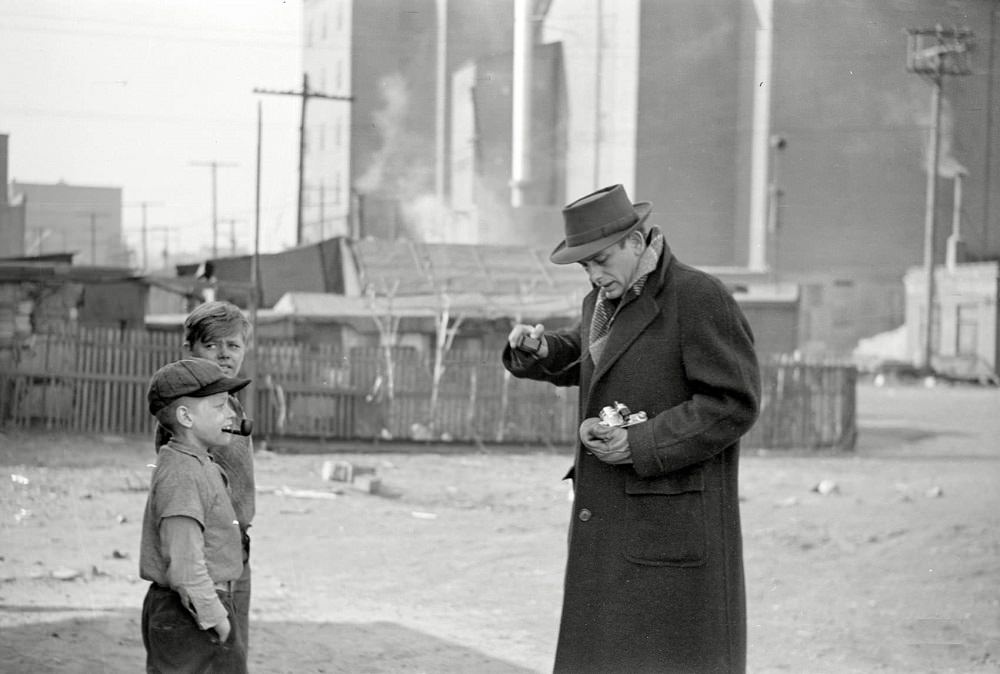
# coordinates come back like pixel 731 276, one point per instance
pixel 605 309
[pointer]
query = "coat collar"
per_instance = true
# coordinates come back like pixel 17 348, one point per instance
pixel 634 318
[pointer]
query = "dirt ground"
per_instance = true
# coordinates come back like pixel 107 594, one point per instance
pixel 458 568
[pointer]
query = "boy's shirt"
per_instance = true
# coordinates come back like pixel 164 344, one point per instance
pixel 236 461
pixel 200 543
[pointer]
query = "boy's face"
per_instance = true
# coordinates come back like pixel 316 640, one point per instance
pixel 205 418
pixel 226 349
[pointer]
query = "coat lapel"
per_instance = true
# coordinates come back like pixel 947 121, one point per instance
pixel 633 320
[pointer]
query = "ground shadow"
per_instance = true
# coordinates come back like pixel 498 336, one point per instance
pixel 92 641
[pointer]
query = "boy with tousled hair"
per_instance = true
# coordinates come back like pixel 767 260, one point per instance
pixel 220 332
pixel 191 549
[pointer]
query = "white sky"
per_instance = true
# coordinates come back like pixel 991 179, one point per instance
pixel 131 93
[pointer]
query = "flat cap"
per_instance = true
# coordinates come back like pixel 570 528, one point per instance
pixel 193 377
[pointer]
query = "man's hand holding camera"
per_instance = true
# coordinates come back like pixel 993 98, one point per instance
pixel 607 443
pixel 528 340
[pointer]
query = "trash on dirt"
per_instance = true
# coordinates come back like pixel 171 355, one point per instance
pixel 96 572
pixel 358 476
pixel 22 514
pixel 66 573
pixel 118 554
pixel 787 502
pixel 19 479
pixel 301 493
pixel 934 492
pixel 826 487
pixel 122 519
pixel 423 516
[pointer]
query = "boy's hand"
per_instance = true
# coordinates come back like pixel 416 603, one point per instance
pixel 223 629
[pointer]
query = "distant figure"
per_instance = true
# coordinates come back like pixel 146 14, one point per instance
pixel 221 333
pixel 206 285
pixel 654 577
pixel 191 548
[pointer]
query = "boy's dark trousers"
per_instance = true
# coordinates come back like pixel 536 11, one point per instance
pixel 241 594
pixel 175 643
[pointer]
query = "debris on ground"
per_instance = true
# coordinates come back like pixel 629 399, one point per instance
pixel 360 477
pixel 826 487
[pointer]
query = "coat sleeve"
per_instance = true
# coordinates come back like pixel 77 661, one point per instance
pixel 561 367
pixel 721 375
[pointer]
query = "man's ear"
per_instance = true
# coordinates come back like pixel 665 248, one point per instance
pixel 637 241
pixel 183 416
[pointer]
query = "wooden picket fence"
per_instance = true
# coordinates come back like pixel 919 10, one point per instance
pixel 95 380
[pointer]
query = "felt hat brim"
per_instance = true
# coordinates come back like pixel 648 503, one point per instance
pixel 563 254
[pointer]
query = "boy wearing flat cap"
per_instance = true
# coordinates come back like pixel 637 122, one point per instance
pixel 191 548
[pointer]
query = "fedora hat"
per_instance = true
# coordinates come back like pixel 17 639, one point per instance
pixel 596 221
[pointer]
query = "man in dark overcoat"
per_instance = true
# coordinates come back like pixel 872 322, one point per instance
pixel 654 576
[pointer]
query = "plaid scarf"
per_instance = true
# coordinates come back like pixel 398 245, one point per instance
pixel 605 309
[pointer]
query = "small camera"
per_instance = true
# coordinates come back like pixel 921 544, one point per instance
pixel 620 415
pixel 529 344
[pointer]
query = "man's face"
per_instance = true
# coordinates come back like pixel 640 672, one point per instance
pixel 614 267
pixel 228 350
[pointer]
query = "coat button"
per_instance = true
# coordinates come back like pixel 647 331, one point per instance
pixel 584 515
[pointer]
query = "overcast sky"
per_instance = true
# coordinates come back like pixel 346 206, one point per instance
pixel 132 93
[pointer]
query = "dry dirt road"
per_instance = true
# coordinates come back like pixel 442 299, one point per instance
pixel 459 569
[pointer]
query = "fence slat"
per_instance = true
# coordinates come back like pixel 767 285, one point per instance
pixel 94 381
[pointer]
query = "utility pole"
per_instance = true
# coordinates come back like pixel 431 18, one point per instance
pixel 322 209
pixel 93 232
pixel 143 205
pixel 305 94
pixel 214 165
pixel 934 53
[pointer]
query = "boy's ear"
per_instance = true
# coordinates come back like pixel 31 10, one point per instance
pixel 183 416
pixel 186 348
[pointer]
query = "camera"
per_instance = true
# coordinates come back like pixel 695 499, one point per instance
pixel 620 415
pixel 529 344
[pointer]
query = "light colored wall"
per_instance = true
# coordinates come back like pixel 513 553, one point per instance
pixel 602 79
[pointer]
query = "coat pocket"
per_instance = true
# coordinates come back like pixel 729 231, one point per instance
pixel 665 519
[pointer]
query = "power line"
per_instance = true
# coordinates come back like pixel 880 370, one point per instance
pixel 214 165
pixel 182 36
pixel 304 94
pixel 144 205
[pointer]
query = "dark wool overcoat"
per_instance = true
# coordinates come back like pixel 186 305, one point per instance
pixel 654 576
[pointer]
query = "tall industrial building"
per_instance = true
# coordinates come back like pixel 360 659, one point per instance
pixel 777 139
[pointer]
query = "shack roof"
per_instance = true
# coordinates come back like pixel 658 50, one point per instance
pixel 412 268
